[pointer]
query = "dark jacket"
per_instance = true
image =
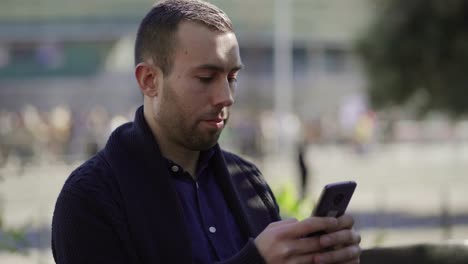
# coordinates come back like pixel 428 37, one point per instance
pixel 121 207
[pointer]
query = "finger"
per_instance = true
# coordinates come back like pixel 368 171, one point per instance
pixel 346 221
pixel 311 225
pixel 349 254
pixel 339 238
pixel 283 222
pixel 295 248
pixel 289 220
pixel 301 259
pixel 306 245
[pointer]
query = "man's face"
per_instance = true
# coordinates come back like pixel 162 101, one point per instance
pixel 193 104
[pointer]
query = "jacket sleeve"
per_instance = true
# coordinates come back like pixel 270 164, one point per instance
pixel 249 254
pixel 81 232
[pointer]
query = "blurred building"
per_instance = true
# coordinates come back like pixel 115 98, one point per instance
pixel 81 52
pixel 54 52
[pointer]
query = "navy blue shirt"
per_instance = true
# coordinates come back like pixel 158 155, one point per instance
pixel 213 230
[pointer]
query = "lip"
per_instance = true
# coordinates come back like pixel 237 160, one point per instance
pixel 216 123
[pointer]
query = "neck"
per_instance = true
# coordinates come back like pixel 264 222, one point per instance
pixel 184 157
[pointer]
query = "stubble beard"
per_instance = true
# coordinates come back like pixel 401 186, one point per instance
pixel 186 134
pixel 199 143
pixel 203 140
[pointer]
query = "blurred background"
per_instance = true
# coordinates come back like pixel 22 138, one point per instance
pixel 370 91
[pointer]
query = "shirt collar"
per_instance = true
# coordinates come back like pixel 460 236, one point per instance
pixel 203 162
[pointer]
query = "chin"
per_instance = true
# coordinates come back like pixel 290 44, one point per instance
pixel 205 144
pixel 210 144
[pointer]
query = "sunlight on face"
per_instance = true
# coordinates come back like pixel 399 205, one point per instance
pixel 195 98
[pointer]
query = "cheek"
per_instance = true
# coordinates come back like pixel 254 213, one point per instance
pixel 192 102
pixel 189 101
pixel 182 110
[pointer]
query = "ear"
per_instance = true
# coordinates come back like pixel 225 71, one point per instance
pixel 149 78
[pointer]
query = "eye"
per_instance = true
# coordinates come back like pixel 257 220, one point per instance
pixel 232 79
pixel 205 79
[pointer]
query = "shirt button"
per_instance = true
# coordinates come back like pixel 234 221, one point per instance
pixel 212 229
pixel 175 168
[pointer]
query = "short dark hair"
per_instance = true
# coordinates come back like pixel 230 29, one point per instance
pixel 156 33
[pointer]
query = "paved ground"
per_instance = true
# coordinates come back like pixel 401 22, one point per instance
pixel 402 192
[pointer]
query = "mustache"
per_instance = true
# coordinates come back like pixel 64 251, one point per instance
pixel 222 114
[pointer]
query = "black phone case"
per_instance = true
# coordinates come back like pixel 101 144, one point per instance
pixel 334 199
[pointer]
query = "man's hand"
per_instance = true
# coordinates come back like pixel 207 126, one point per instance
pixel 287 242
pixel 344 242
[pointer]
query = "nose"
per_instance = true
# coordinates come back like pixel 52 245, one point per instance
pixel 223 94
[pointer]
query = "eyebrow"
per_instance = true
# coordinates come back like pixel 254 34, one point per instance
pixel 217 68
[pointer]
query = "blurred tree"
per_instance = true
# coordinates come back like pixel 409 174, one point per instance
pixel 416 52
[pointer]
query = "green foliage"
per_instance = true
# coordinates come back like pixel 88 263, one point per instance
pixel 12 239
pixel 379 238
pixel 417 53
pixel 290 205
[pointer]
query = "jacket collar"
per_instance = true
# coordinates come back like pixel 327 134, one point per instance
pixel 151 204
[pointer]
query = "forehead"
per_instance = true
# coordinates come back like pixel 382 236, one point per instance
pixel 197 44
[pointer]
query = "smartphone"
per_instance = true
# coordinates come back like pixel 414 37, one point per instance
pixel 334 199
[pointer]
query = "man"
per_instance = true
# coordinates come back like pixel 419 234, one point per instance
pixel 162 190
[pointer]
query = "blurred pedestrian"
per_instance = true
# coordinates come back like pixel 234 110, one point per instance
pixel 303 169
